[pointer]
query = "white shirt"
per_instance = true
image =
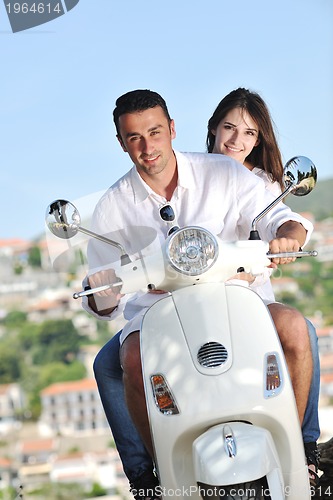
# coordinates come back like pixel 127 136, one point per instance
pixel 213 191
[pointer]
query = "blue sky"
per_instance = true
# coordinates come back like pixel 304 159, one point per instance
pixel 59 83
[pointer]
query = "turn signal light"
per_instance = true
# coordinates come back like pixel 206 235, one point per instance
pixel 163 396
pixel 272 375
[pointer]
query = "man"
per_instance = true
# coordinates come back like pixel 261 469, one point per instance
pixel 212 191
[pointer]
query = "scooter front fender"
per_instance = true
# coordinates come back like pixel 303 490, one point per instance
pixel 234 453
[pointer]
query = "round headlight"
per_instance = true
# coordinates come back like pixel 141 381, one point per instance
pixel 192 250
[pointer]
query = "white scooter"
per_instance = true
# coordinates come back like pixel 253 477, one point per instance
pixel 221 407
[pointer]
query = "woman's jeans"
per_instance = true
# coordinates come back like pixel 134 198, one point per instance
pixel 134 457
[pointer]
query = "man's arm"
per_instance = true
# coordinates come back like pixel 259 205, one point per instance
pixel 103 312
pixel 293 230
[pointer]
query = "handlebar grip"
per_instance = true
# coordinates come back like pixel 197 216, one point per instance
pixel 85 293
pixel 311 253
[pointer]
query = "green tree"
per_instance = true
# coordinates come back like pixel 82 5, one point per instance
pixel 8 493
pixel 60 372
pixel 10 364
pixel 37 378
pixel 57 340
pixel 18 268
pixel 104 331
pixel 28 336
pixel 14 319
pixel 58 491
pixel 96 491
pixel 34 257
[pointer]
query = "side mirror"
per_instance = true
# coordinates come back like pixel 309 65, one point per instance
pixel 64 221
pixel 300 176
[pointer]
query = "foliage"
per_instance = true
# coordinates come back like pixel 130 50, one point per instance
pixel 28 335
pixel 18 268
pixel 37 355
pixel 61 372
pixel 10 367
pixel 111 444
pixel 57 491
pixel 103 332
pixel 34 257
pixel 73 449
pixel 14 319
pixel 57 340
pixel 96 491
pixel 34 405
pixel 70 491
pixel 8 493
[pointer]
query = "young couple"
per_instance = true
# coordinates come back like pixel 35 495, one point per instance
pixel 195 184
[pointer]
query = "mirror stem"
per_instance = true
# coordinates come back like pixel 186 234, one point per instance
pixel 124 256
pixel 267 209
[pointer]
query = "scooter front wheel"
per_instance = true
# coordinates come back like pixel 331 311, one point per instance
pixel 252 490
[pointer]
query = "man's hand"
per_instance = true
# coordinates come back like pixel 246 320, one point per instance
pixel 104 302
pixel 290 237
pixel 283 245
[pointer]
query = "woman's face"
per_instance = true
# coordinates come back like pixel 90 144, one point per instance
pixel 236 135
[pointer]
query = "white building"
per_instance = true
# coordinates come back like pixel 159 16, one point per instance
pixel 11 406
pixel 72 407
pixel 86 469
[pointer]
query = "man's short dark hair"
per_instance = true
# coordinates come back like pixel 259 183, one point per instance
pixel 138 100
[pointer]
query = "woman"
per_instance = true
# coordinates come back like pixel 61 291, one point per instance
pixel 241 127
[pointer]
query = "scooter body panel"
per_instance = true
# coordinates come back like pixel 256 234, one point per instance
pixel 173 330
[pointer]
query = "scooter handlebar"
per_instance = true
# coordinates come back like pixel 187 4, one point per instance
pixel 287 255
pixel 152 270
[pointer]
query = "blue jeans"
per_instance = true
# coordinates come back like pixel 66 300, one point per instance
pixel 133 454
pixel 109 378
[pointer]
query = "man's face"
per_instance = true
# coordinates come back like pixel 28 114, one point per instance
pixel 147 137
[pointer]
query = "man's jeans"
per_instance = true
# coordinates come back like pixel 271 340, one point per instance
pixel 310 427
pixel 135 458
pixel 109 378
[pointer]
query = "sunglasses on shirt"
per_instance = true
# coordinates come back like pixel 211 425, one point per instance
pixel 167 214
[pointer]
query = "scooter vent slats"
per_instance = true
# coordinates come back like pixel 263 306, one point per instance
pixel 212 354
